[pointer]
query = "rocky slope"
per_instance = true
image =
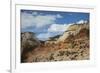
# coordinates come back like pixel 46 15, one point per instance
pixel 72 45
pixel 73 30
pixel 28 43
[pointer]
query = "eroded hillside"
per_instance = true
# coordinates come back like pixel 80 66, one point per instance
pixel 73 44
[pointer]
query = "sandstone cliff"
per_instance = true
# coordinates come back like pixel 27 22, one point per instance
pixel 73 30
pixel 73 44
pixel 28 42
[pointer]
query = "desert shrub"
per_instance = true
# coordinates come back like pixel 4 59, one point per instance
pixel 70 38
pixel 51 57
pixel 74 53
pixel 73 58
pixel 55 37
pixel 67 53
pixel 61 53
pixel 73 45
pixel 36 60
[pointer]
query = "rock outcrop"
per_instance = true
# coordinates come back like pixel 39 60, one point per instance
pixel 72 30
pixel 72 45
pixel 28 42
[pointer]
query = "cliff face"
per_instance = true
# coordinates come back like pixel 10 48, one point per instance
pixel 72 45
pixel 73 30
pixel 28 42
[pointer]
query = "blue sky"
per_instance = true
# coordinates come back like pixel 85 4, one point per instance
pixel 49 23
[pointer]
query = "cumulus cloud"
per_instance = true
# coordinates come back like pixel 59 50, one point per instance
pixel 34 13
pixel 37 20
pixel 53 30
pixel 59 16
pixel 58 27
pixel 41 36
pixel 81 22
pixel 25 20
pixel 41 21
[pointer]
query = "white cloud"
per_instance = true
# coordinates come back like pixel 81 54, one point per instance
pixel 81 22
pixel 58 27
pixel 26 20
pixel 37 20
pixel 53 30
pixel 34 13
pixel 44 36
pixel 59 16
pixel 44 20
